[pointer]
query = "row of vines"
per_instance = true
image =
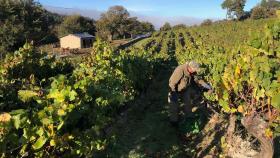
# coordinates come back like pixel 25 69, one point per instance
pixel 246 80
pixel 242 63
pixel 54 107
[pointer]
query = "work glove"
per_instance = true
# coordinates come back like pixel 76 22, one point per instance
pixel 206 86
pixel 172 97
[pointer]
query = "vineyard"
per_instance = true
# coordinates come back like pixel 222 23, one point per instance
pixel 242 66
pixel 113 103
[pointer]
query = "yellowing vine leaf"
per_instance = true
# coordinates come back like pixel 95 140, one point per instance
pixel 61 112
pixel 58 96
pixel 237 71
pixel 26 95
pixel 240 109
pixel 268 133
pixel 52 142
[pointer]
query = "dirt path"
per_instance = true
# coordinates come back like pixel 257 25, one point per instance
pixel 144 130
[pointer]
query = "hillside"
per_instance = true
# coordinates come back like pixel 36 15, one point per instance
pixel 113 103
pixel 143 129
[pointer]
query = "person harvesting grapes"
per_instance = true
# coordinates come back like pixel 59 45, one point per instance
pixel 182 86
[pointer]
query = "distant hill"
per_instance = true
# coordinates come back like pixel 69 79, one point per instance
pixel 157 21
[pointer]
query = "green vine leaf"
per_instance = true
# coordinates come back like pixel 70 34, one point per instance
pixel 275 101
pixel 39 143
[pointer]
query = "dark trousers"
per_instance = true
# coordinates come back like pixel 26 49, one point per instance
pixel 187 97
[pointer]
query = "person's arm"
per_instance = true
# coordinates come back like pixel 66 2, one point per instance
pixel 202 83
pixel 175 78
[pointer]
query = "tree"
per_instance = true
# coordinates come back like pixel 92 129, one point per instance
pixel 133 27
pixel 112 22
pixel 165 27
pixel 271 7
pixel 76 24
pixel 116 23
pixel 270 4
pixel 147 27
pixel 235 8
pixel 21 21
pixel 259 12
pixel 179 26
pixel 266 9
pixel 207 22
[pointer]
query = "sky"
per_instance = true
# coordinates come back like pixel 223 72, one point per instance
pixel 148 10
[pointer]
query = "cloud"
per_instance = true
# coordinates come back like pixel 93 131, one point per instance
pixel 157 21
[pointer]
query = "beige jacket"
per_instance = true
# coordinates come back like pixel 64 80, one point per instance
pixel 181 79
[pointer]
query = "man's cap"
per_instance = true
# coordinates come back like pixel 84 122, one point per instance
pixel 194 65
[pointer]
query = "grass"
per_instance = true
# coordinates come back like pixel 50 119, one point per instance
pixel 144 129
